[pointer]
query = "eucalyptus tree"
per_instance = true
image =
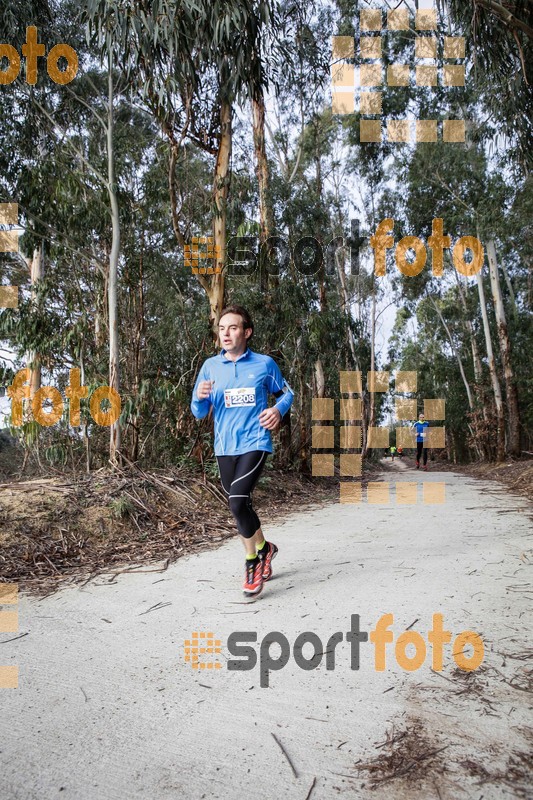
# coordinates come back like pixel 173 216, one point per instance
pixel 499 37
pixel 15 114
pixel 468 195
pixel 31 169
pixel 461 186
pixel 190 61
pixel 77 174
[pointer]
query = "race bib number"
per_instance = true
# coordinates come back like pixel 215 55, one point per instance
pixel 236 398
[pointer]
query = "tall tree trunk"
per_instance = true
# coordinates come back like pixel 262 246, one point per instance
pixel 138 352
pixel 114 382
pixel 262 174
pixel 322 215
pixel 371 395
pixel 266 223
pixel 345 305
pixel 319 369
pixel 84 427
pixel 33 360
pixel 505 351
pixel 215 286
pixel 512 296
pixel 481 408
pixel 476 360
pixel 319 379
pixel 495 381
pixel 455 354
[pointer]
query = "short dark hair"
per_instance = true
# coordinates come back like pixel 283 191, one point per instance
pixel 243 313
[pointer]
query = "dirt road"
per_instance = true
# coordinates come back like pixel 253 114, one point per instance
pixel 108 707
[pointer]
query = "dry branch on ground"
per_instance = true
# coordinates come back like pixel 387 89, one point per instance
pixel 53 529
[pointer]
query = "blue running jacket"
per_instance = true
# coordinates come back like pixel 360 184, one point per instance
pixel 420 428
pixel 238 397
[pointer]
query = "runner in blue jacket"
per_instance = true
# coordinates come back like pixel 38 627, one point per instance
pixel 421 434
pixel 236 385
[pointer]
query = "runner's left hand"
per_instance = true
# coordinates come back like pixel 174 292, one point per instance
pixel 270 418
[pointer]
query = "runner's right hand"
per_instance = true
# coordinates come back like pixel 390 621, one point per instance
pixel 204 389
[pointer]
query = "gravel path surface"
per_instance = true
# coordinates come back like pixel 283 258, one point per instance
pixel 108 707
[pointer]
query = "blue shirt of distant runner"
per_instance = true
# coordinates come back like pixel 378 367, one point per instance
pixel 420 428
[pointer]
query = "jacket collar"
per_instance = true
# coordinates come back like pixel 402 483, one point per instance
pixel 229 360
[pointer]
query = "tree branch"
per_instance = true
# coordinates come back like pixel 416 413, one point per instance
pixel 86 255
pixel 78 152
pixel 454 351
pixel 505 15
pixel 100 119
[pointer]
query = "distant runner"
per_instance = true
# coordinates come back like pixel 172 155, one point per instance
pixel 420 427
pixel 238 395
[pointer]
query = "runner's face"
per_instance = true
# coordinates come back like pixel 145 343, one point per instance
pixel 231 334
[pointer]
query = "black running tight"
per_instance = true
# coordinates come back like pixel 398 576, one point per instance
pixel 419 446
pixel 238 475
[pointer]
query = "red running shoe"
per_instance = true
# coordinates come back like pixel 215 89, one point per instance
pixel 418 464
pixel 271 552
pixel 426 467
pixel 253 577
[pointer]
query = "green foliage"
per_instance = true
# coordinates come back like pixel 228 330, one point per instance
pixel 500 38
pixel 56 455
pixel 121 507
pixel 173 63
